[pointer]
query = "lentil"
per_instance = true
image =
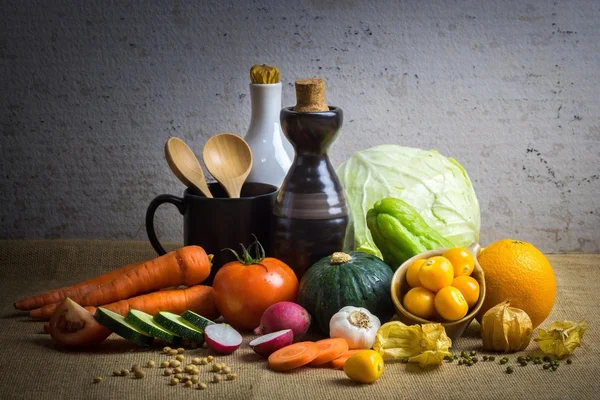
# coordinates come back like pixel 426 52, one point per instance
pixel 509 370
pixel 151 364
pixel 98 379
pixel 139 374
pixel 174 381
pixel 202 385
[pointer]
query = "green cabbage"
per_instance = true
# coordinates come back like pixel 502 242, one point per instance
pixel 438 188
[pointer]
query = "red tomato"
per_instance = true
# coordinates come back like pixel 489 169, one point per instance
pixel 73 326
pixel 243 292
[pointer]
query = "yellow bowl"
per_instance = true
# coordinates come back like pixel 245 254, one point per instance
pixel 400 286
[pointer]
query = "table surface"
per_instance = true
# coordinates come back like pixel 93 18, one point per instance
pixel 34 367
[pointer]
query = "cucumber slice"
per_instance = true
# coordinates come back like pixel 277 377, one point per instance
pixel 196 319
pixel 144 321
pixel 116 323
pixel 180 326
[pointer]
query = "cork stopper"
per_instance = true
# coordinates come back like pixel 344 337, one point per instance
pixel 310 95
pixel 264 74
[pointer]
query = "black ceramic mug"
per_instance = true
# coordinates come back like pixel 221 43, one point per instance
pixel 221 222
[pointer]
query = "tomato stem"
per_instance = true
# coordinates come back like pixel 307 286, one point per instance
pixel 246 258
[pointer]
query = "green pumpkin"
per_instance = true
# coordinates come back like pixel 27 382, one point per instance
pixel 356 279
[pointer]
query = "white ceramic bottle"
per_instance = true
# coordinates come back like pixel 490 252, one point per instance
pixel 272 153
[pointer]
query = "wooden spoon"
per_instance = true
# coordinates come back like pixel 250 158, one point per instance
pixel 185 165
pixel 229 159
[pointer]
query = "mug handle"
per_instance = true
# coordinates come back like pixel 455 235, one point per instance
pixel 154 204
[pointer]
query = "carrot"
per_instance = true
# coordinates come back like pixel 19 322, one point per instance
pixel 293 356
pixel 329 349
pixel 339 362
pixel 198 299
pixel 187 266
pixel 76 290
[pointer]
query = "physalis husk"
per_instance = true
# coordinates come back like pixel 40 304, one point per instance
pixel 561 338
pixel 426 344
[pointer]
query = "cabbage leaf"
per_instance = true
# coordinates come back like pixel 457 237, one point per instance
pixel 438 188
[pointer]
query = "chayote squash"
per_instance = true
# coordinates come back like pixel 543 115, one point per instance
pixel 400 232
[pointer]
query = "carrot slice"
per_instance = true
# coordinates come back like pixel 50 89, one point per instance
pixel 330 349
pixel 293 356
pixel 339 362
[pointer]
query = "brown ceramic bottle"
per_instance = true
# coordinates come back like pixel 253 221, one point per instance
pixel 310 213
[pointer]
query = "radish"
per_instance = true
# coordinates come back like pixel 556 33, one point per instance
pixel 222 338
pixel 284 315
pixel 266 344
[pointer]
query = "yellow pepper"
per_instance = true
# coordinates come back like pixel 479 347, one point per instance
pixel 366 366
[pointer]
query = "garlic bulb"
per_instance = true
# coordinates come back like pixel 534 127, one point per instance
pixel 505 328
pixel 355 324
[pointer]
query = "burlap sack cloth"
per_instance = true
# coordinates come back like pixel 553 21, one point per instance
pixel 32 366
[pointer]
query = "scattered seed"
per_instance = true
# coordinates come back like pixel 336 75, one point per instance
pixel 172 352
pixel 203 361
pixel 150 364
pixel 195 371
pixel 168 372
pixel 136 367
pixel 178 370
pixel 546 366
pixel 520 358
pixel 174 381
pixel 175 363
pixel 464 354
pixel 217 379
pixel 179 376
pixel 196 360
pixel 528 358
pixel 188 368
pixel 124 372
pixel 210 358
pixel 473 353
pixel 503 360
pixel 554 367
pixel 139 374
pixel 202 385
pixel 164 364
pixel 523 363
pixel 98 379
pixel 180 358
pixel 231 376
pixel 469 363
pixel 180 350
pixel 116 373
pixel 205 345
pixel 492 358
pixel 166 349
pixel 485 358
pixel 460 362
pixel 216 367
pixel 509 370
pixel 474 359
pixel 189 384
pixel 569 361
pixel 227 370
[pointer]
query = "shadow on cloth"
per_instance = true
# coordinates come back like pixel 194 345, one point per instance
pixel 109 346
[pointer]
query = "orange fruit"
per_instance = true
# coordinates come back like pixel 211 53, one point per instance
pixel 469 287
pixel 461 259
pixel 412 273
pixel 517 271
pixel 419 301
pixel 451 304
pixel 436 273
